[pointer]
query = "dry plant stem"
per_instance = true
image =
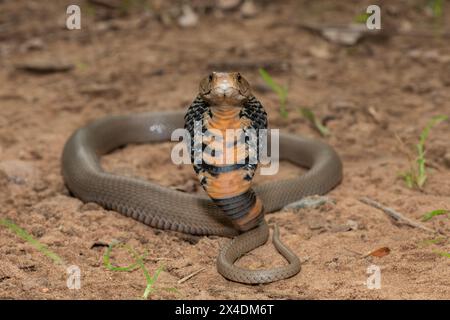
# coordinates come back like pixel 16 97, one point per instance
pixel 353 251
pixel 395 215
pixel 190 276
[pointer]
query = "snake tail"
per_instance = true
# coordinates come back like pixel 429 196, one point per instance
pixel 248 241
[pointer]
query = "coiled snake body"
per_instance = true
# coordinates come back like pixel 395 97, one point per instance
pixel 236 210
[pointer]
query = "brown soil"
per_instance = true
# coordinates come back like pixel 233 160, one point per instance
pixel 129 61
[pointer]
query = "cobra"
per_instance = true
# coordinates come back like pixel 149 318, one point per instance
pixel 232 207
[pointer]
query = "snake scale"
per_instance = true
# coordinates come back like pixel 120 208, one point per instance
pixel 236 209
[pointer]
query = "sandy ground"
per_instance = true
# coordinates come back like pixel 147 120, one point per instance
pixel 130 61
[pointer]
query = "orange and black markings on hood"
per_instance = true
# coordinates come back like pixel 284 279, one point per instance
pixel 228 184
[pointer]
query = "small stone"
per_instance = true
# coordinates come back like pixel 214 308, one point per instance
pixel 99 244
pixel 188 17
pixel 309 202
pixel 32 44
pixel 38 231
pixel 317 223
pixel 228 4
pixel 89 206
pixel 310 74
pixel 340 228
pixel 40 186
pixel 321 52
pixel 249 9
pixel 447 159
pixel 348 35
pixel 352 224
pixel 19 172
pixel 29 285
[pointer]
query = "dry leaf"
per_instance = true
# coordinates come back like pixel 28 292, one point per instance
pixel 380 252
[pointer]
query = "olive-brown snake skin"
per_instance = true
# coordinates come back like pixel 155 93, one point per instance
pixel 169 209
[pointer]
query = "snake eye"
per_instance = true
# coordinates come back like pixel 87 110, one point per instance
pixel 210 78
pixel 238 77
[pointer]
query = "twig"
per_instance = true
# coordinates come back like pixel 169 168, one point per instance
pixel 395 215
pixel 160 259
pixel 354 252
pixel 190 276
pixel 103 3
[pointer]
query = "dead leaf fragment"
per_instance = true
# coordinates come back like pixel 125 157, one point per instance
pixel 380 252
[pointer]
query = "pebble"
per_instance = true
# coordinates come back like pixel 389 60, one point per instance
pixel 447 159
pixel 32 44
pixel 228 4
pixel 188 17
pixel 309 202
pixel 321 52
pixel 37 231
pixel 19 172
pixel 89 206
pixel 352 224
pixel 249 9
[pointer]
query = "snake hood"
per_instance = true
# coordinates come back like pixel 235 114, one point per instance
pixel 225 102
pixel 225 89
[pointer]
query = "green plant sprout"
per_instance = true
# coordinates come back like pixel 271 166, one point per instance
pixel 434 213
pixel 438 240
pixel 127 5
pixel 437 7
pixel 442 254
pixel 29 238
pixel 437 10
pixel 281 91
pixel 311 117
pixel 416 176
pixel 362 17
pixel 82 66
pixel 139 263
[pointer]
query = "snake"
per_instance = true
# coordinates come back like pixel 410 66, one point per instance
pixel 232 207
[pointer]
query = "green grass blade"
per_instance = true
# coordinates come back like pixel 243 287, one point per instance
pixel 409 179
pixel 362 17
pixel 29 238
pixel 107 259
pixel 151 280
pixel 271 83
pixel 443 254
pixel 311 117
pixel 281 91
pixel 434 213
pixel 421 176
pixel 139 263
pixel 417 175
pixel 426 131
pixel 438 240
pixel 437 8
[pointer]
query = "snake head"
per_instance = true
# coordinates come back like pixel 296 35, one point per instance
pixel 225 89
